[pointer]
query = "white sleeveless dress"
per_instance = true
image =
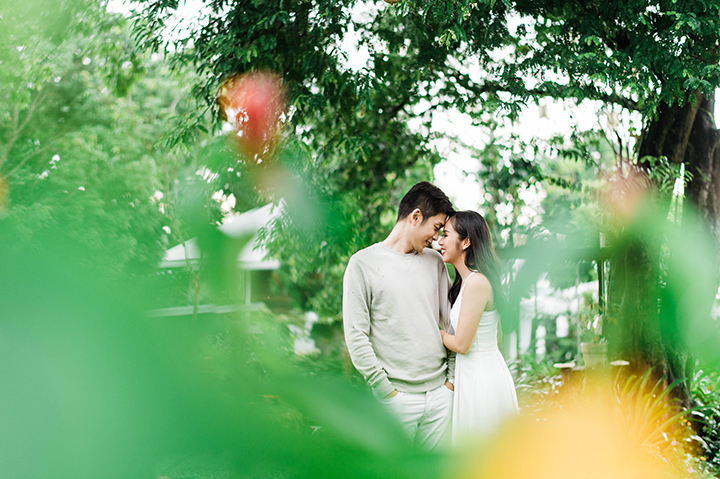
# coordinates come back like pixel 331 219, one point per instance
pixel 484 389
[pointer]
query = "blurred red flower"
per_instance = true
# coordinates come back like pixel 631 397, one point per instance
pixel 253 103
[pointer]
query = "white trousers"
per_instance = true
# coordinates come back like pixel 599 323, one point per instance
pixel 425 416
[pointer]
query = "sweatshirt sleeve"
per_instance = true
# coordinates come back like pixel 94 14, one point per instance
pixel 444 290
pixel 356 326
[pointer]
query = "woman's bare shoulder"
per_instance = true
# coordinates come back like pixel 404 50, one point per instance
pixel 478 282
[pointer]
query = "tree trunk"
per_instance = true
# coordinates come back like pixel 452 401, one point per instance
pixel 668 135
pixel 632 324
pixel 637 331
pixel 702 158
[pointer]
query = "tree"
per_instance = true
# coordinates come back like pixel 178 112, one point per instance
pixel 83 111
pixel 352 144
pixel 659 59
pixel 487 59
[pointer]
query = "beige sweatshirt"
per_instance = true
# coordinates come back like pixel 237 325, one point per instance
pixel 393 304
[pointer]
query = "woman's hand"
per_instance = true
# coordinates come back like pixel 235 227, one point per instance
pixel 445 335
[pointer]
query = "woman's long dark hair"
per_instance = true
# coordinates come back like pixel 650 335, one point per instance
pixel 480 255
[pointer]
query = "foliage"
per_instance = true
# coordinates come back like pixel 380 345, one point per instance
pixel 200 391
pixel 213 397
pixel 537 382
pixel 706 418
pixel 665 175
pixel 636 55
pixel 349 141
pixel 84 112
pixel 590 318
pixel 350 144
pixel 363 133
pixel 648 411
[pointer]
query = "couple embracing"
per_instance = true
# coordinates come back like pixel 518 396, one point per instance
pixel 428 348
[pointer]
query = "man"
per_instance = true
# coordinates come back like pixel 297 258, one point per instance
pixel 395 294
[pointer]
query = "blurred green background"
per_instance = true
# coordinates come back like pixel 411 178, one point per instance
pixel 170 301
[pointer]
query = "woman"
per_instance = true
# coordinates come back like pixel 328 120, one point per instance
pixel 484 389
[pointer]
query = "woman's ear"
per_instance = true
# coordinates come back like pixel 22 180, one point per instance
pixel 465 244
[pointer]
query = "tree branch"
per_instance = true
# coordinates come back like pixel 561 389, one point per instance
pixel 12 136
pixel 27 157
pixel 546 89
pixel 18 128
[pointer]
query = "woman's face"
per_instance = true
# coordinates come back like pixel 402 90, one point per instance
pixel 450 245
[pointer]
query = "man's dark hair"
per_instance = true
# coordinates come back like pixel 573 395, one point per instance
pixel 428 198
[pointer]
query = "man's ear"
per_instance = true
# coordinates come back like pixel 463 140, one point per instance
pixel 416 217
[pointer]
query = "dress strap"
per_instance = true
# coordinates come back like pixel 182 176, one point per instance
pixel 465 282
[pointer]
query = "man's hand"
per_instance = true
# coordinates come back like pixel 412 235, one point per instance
pixel 392 394
pixel 450 385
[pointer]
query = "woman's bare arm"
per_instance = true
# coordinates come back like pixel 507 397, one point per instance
pixel 476 297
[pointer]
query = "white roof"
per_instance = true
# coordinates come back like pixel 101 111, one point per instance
pixel 253 256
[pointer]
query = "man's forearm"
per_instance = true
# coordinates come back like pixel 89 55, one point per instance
pixel 366 362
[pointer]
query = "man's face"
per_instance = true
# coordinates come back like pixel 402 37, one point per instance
pixel 427 231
